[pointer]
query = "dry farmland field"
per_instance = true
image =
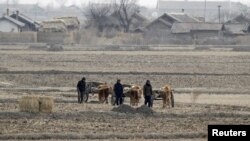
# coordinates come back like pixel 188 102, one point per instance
pixel 211 87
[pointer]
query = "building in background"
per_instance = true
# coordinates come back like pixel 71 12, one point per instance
pixel 197 8
pixel 8 24
pixel 53 26
pixel 30 24
pixel 72 23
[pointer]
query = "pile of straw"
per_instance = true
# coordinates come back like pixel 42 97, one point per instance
pixel 35 104
pixel 46 104
pixel 29 104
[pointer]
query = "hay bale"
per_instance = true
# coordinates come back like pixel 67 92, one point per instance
pixel 46 104
pixel 29 104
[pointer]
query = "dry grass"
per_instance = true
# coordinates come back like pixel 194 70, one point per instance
pixel 29 104
pixel 104 136
pixel 125 53
pixel 195 96
pixel 227 99
pixel 182 139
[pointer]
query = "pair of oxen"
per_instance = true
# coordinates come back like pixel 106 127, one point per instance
pixel 135 93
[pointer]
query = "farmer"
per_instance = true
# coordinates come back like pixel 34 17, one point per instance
pixel 148 93
pixel 118 89
pixel 81 89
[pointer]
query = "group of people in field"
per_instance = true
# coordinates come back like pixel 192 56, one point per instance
pixel 118 90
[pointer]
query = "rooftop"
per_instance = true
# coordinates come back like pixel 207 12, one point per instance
pixel 188 27
pixel 20 24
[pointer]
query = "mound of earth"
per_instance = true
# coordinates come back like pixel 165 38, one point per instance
pixel 144 110
pixel 124 109
pixel 128 109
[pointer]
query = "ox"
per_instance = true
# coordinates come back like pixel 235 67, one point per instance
pixel 135 95
pixel 103 92
pixel 167 96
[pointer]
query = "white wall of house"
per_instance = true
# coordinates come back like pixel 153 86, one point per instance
pixel 7 26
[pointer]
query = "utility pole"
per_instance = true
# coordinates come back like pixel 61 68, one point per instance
pixel 7 3
pixel 36 7
pixel 158 6
pixel 205 10
pixel 219 6
pixel 230 7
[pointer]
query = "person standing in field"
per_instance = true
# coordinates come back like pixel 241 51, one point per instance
pixel 148 93
pixel 118 89
pixel 81 89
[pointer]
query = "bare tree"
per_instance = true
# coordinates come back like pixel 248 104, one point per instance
pixel 124 9
pixel 244 10
pixel 97 12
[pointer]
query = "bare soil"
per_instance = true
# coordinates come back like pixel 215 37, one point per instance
pixel 211 87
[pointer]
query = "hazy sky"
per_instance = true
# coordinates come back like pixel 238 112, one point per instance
pixel 148 3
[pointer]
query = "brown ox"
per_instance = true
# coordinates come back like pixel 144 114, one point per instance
pixel 135 95
pixel 103 92
pixel 167 96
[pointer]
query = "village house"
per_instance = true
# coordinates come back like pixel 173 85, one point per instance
pixel 72 23
pixel 239 19
pixel 163 24
pixel 29 24
pixel 236 29
pixel 197 8
pixel 17 22
pixel 197 30
pixel 8 24
pixel 238 26
pixel 168 19
pixel 53 26
pixel 138 22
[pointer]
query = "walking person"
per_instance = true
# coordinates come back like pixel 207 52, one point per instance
pixel 148 93
pixel 81 89
pixel 118 89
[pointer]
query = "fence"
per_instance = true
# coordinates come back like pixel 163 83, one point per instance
pixel 22 37
pixel 55 37
pixel 244 40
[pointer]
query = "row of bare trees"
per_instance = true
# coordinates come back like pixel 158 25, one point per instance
pixel 122 10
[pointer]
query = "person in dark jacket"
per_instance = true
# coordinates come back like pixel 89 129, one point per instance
pixel 81 89
pixel 118 89
pixel 148 93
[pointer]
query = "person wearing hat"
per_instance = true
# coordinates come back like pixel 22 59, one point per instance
pixel 81 89
pixel 118 90
pixel 148 93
